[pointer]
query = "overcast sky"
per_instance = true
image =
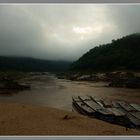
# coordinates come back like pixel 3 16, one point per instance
pixel 63 32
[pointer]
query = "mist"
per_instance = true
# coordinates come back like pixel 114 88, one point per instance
pixel 63 31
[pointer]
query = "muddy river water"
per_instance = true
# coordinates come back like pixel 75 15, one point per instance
pixel 47 90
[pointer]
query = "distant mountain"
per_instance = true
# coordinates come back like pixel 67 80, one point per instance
pixel 32 64
pixel 120 54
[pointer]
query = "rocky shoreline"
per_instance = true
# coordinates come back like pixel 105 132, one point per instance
pixel 11 81
pixel 115 79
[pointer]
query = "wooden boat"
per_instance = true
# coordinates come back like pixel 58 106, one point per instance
pixel 120 113
pixel 100 112
pixel 136 115
pixel 133 121
pixel 82 107
pixel 93 105
pixel 116 112
pixel 132 117
pixel 77 109
pixel 105 115
pixel 106 103
pixel 119 116
pixel 97 100
pixel 115 104
pixel 126 106
pixel 84 98
pixel 76 106
pixel 105 112
pixel 136 106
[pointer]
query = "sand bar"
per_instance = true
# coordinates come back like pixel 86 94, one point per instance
pixel 21 119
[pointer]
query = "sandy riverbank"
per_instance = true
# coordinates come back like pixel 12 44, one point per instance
pixel 19 119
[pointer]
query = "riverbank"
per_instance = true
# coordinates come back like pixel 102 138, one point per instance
pixel 123 79
pixel 20 119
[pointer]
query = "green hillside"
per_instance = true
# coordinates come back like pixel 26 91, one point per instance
pixel 31 64
pixel 120 54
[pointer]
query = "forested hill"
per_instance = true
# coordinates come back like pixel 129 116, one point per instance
pixel 31 64
pixel 120 54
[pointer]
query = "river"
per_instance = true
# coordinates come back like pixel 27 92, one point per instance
pixel 48 90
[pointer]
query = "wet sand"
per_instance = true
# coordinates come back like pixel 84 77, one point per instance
pixel 21 119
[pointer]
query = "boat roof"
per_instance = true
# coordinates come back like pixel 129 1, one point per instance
pixel 134 120
pixel 75 98
pixel 97 100
pixel 107 103
pixel 136 115
pixel 88 109
pixel 136 106
pixel 115 104
pixel 126 106
pixel 100 103
pixel 85 107
pixel 104 111
pixel 85 98
pixel 116 111
pixel 92 104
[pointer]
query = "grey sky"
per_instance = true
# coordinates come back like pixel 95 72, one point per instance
pixel 63 31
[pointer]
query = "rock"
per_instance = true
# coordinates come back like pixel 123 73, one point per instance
pixel 84 77
pixel 129 83
pixel 9 84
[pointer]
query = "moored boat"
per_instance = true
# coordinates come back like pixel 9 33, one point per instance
pixel 126 106
pixel 120 112
pixel 100 112
pixel 115 104
pixel 82 107
pixel 97 100
pixel 106 103
pixel 136 115
pixel 93 105
pixel 136 106
pixel 133 117
pixel 133 121
pixel 116 112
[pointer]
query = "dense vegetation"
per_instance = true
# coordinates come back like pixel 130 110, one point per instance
pixel 31 64
pixel 120 54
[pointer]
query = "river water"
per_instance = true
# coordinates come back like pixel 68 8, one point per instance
pixel 47 90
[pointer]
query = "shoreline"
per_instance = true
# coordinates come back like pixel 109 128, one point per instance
pixel 22 119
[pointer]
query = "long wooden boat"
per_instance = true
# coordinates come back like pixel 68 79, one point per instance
pixel 116 112
pixel 133 121
pixel 106 103
pixel 126 106
pixel 100 112
pixel 77 109
pixel 93 105
pixel 136 106
pixel 121 112
pixel 133 118
pixel 136 115
pixel 75 105
pixel 82 107
pixel 97 100
pixel 115 104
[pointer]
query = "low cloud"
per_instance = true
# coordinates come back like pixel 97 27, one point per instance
pixel 63 32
